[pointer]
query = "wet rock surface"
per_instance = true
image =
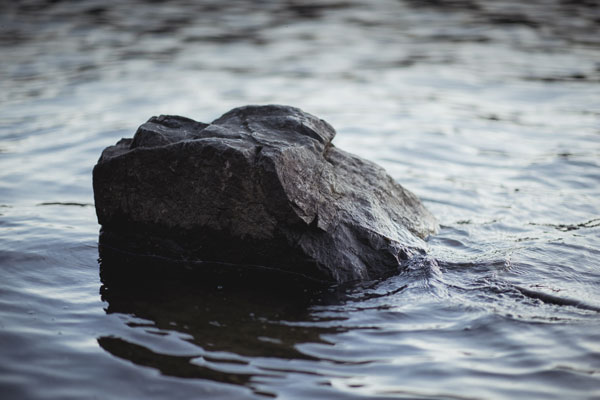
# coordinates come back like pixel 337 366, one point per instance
pixel 261 187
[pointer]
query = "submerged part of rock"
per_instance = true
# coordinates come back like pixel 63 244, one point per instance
pixel 261 186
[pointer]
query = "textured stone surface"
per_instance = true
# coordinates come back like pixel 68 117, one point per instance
pixel 262 186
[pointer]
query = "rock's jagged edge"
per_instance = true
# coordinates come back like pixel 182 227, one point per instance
pixel 260 186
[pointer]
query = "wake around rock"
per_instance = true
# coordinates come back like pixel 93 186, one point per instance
pixel 260 187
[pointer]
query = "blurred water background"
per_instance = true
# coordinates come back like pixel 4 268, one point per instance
pixel 487 110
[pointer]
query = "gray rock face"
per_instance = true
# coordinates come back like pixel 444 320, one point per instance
pixel 260 186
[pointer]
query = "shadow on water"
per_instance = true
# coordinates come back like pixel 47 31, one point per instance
pixel 231 317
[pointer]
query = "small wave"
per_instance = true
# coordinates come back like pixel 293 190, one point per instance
pixel 592 223
pixel 556 300
pixel 66 203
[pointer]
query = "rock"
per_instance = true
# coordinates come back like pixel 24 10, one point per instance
pixel 262 187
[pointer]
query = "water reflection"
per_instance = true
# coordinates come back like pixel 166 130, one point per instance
pixel 169 365
pixel 232 323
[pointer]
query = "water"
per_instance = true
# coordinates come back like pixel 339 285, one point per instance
pixel 489 111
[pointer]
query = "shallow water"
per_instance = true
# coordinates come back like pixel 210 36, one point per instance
pixel 489 111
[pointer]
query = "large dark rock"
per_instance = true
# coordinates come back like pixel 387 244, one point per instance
pixel 261 186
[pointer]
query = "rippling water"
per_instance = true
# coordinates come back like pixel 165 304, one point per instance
pixel 489 111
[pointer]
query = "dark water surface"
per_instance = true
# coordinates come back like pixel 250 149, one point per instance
pixel 489 111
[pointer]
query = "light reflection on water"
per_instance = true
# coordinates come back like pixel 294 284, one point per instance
pixel 488 111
